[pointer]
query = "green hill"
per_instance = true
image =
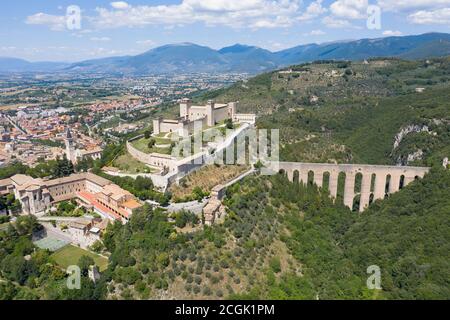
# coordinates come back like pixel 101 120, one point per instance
pixel 353 111
pixel 284 241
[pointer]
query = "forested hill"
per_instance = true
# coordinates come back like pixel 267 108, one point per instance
pixel 279 241
pixel 381 111
pixel 407 236
pixel 284 241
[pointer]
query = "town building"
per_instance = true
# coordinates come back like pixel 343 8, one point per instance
pixel 91 191
pixel 74 155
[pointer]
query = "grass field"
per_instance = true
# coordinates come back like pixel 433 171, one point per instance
pixel 128 164
pixel 142 145
pixel 69 255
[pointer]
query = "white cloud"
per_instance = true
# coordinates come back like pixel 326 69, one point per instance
pixel 224 5
pixel 121 5
pixel 317 32
pixel 400 5
pixel 314 10
pixel 349 9
pixel 100 39
pixel 55 23
pixel 233 13
pixel 334 23
pixel 392 33
pixel 439 16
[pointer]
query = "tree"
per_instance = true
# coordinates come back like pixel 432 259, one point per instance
pixel 64 168
pixel 143 183
pixel 198 193
pixel 229 124
pixel 97 246
pixel 151 143
pixel 84 263
pixel 26 225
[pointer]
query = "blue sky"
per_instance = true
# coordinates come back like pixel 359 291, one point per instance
pixel 37 30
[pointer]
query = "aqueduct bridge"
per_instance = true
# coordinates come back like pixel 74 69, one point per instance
pixel 366 182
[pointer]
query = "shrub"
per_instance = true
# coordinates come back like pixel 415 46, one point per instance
pixel 275 264
pixel 207 291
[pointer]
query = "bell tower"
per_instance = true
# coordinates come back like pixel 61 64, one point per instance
pixel 70 148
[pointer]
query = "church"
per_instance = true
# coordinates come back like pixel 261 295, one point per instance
pixel 74 154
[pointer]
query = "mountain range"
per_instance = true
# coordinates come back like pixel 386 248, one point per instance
pixel 190 58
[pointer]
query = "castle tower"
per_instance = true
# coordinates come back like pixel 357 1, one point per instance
pixel 232 107
pixel 157 126
pixel 185 105
pixel 210 113
pixel 70 147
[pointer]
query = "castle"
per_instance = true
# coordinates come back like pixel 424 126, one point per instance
pixel 208 116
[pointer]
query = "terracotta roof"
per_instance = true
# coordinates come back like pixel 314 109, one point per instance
pixel 21 179
pixel 24 182
pixel 115 192
pixel 87 152
pixel 131 204
pixel 5 182
pixel 79 176
pixel 89 197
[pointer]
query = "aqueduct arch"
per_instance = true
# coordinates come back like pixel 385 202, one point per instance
pixel 399 177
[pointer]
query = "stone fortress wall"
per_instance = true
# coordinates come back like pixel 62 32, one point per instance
pixel 384 179
pixel 245 117
pixel 153 159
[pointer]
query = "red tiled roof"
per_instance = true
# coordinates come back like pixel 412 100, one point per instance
pixel 91 198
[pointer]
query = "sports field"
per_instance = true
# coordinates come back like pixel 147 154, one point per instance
pixel 51 244
pixel 69 255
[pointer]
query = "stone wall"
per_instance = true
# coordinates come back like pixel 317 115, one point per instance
pixel 245 117
pixel 152 159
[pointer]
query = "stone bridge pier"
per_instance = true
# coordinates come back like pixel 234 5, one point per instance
pixel 355 181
